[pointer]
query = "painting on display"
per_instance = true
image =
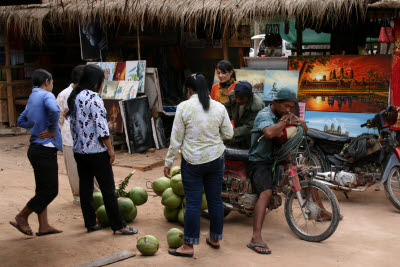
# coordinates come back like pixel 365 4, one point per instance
pixel 255 77
pixel 241 37
pixel 119 73
pixel 109 89
pixel 108 68
pixel 343 123
pixel 278 79
pixel 136 117
pixel 114 118
pixel 136 71
pixel 92 41
pixel 349 83
pixel 126 90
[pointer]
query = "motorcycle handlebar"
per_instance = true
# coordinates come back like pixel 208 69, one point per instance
pixel 364 124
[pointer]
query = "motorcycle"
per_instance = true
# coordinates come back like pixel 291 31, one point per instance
pixel 356 164
pixel 306 199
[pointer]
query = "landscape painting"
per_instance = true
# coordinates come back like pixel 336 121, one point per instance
pixel 126 90
pixel 136 71
pixel 278 79
pixel 255 77
pixel 349 83
pixel 109 90
pixel 342 123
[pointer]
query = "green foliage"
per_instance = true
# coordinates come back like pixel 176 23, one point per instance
pixel 121 192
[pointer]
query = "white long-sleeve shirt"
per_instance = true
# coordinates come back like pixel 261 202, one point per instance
pixel 63 123
pixel 199 133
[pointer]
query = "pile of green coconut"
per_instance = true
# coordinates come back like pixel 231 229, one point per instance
pixel 127 202
pixel 173 196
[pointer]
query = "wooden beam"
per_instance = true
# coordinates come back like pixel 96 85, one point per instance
pixel 138 40
pixel 256 41
pixel 299 33
pixel 10 97
pixel 241 57
pixel 225 40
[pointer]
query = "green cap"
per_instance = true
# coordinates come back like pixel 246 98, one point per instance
pixel 285 94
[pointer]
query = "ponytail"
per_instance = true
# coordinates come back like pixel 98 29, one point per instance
pixel 197 83
pixel 92 78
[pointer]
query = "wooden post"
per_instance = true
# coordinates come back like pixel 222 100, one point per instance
pixel 241 57
pixel 10 97
pixel 138 40
pixel 256 41
pixel 225 44
pixel 299 33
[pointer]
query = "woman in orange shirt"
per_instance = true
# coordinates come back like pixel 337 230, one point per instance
pixel 227 81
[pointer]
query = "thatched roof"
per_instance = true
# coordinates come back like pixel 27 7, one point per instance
pixel 29 18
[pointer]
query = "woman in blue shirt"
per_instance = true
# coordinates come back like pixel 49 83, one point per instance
pixel 93 151
pixel 41 118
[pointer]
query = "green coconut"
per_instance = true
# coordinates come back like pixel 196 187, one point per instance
pixel 170 199
pixel 102 217
pixel 204 204
pixel 181 217
pixel 176 185
pixel 125 207
pixel 175 238
pixel 184 201
pixel 131 216
pixel 175 170
pixel 148 245
pixel 138 195
pixel 171 214
pixel 160 184
pixel 97 200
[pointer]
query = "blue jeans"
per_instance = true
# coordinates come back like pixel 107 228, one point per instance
pixel 194 177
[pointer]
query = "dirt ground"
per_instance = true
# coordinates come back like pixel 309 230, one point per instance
pixel 368 235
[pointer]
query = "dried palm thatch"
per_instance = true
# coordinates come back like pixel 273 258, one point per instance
pixel 183 13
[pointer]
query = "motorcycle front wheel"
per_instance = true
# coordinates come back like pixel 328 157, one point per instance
pixel 320 203
pixel 392 186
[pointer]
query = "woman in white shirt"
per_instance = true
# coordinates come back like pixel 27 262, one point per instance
pixel 200 125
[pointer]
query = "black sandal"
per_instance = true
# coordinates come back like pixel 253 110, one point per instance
pixel 173 252
pixel 212 245
pixel 131 231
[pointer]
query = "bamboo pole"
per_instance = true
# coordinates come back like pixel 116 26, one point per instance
pixel 10 97
pixel 225 47
pixel 138 40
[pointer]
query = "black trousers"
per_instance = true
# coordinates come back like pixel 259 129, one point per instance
pixel 44 162
pixel 98 165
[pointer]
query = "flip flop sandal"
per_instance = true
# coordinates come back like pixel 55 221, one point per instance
pixel 253 247
pixel 47 233
pixel 211 245
pixel 131 231
pixel 24 231
pixel 176 253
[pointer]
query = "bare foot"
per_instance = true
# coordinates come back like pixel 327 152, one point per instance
pixel 258 241
pixel 21 223
pixel 185 249
pixel 48 229
pixel 325 215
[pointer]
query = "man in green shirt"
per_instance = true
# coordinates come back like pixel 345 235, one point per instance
pixel 242 106
pixel 268 124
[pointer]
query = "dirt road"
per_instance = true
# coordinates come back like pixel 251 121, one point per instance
pixel 368 236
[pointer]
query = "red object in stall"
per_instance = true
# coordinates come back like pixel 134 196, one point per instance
pixel 386 35
pixel 395 81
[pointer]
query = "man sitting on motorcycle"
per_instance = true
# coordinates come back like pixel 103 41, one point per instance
pixel 242 106
pixel 270 121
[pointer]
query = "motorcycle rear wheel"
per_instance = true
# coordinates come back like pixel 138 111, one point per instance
pixel 392 186
pixel 316 206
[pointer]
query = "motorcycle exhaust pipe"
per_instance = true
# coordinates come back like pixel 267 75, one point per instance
pixel 334 186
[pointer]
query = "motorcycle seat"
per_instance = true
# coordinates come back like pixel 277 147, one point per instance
pixel 317 134
pixel 236 154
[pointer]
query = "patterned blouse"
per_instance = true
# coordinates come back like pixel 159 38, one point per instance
pixel 89 123
pixel 199 132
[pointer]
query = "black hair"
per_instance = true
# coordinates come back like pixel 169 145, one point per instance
pixel 92 78
pixel 40 76
pixel 225 66
pixel 198 84
pixel 77 73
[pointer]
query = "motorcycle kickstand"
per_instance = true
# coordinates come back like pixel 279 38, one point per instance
pixel 347 196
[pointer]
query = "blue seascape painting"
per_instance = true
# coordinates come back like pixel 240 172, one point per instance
pixel 278 79
pixel 339 122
